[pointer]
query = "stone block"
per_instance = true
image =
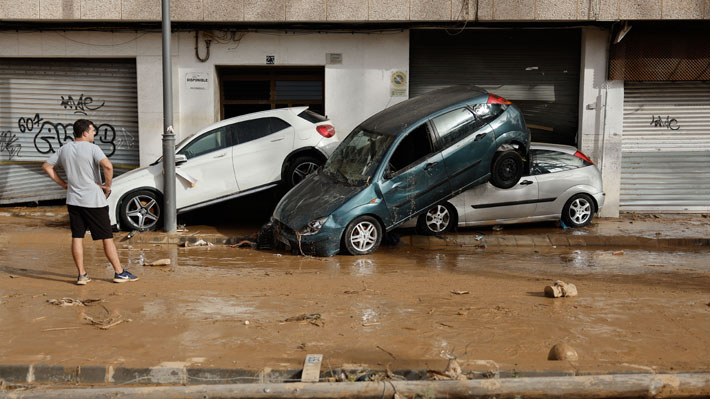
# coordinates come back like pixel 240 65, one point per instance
pixel 389 10
pixel 506 241
pixel 192 10
pixel 222 10
pixel 524 241
pixel 264 10
pixel 485 10
pixel 92 374
pixel 585 9
pixel 60 9
pixel 14 373
pixel 577 241
pixel 141 10
pixel 541 240
pixel 101 9
pixel 206 376
pixel 463 10
pixel 608 10
pixel 513 10
pixel 19 9
pixel 57 374
pixel 558 240
pixel 640 9
pixel 347 10
pixel 555 10
pixel 684 9
pixel 421 241
pixel 707 9
pixel 430 10
pixel 155 375
pixel 305 10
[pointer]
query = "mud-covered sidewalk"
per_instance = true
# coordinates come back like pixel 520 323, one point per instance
pixel 640 308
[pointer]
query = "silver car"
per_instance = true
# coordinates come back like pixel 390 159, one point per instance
pixel 563 184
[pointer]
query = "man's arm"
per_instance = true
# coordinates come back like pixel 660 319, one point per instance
pixel 108 175
pixel 49 169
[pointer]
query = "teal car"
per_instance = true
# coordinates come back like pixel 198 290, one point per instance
pixel 397 164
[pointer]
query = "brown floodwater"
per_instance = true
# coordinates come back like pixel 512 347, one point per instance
pixel 228 307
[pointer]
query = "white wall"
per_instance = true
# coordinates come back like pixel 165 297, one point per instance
pixel 354 90
pixel 601 104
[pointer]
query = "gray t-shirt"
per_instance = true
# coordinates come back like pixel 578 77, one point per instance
pixel 80 161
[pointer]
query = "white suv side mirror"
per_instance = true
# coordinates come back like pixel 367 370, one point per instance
pixel 180 158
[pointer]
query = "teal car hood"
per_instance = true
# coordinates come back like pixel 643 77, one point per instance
pixel 317 196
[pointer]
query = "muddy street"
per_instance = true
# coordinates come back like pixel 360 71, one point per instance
pixel 401 308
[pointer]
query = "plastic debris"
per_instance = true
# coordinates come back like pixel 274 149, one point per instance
pixel 159 262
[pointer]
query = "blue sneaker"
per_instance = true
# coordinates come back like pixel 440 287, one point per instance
pixel 83 279
pixel 123 277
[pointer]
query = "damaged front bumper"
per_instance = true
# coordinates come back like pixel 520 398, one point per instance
pixel 325 243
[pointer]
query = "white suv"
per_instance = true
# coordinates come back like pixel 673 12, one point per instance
pixel 228 159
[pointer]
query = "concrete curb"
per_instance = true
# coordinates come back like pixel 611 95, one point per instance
pixel 463 240
pixel 115 376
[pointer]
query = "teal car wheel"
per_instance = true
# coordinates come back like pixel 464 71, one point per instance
pixel 507 169
pixel 363 235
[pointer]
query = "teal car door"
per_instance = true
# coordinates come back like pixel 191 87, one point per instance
pixel 415 177
pixel 466 142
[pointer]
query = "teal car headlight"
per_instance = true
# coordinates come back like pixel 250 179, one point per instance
pixel 314 226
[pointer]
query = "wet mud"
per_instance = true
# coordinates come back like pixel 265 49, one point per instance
pixel 401 308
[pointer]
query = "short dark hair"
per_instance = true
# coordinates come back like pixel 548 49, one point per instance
pixel 80 126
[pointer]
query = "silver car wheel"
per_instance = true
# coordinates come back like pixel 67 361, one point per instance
pixel 143 211
pixel 438 218
pixel 364 236
pixel 580 210
pixel 303 170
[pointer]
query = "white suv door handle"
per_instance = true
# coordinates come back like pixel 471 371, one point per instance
pixel 278 139
pixel 220 155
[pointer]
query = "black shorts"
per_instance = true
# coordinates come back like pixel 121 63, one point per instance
pixel 94 219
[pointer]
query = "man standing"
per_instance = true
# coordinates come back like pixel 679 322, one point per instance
pixel 86 197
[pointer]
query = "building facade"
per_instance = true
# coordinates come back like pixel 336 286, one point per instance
pixel 626 81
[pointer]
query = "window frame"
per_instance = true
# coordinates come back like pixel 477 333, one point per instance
pixel 430 135
pixel 440 139
pixel 226 139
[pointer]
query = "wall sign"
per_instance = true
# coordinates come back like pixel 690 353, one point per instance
pixel 270 59
pixel 197 80
pixel 398 84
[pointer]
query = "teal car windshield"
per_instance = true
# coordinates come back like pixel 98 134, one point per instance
pixel 357 157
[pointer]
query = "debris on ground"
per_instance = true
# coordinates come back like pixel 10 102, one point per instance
pixel 72 302
pixel 245 244
pixel 313 318
pixel 387 352
pixel 497 227
pixel 560 289
pixel 456 292
pixel 130 235
pixel 107 323
pixel 451 372
pixel 563 352
pixel 198 243
pixel 265 237
pixel 618 253
pixel 159 262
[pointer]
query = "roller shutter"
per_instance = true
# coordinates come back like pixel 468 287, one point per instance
pixel 536 69
pixel 666 147
pixel 39 101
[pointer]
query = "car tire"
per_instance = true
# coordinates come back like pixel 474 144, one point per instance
pixel 506 169
pixel 363 235
pixel 299 168
pixel 439 219
pixel 141 210
pixel 578 211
